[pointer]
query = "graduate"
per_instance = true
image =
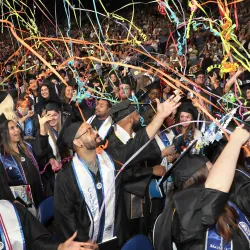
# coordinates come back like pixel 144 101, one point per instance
pixel 127 123
pixel 21 231
pixel 187 113
pixel 89 180
pixel 19 160
pixel 200 214
pixel 101 120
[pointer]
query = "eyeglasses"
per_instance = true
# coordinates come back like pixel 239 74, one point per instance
pixel 89 129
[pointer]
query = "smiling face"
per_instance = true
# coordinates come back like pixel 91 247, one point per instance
pixel 167 89
pixel 55 118
pixel 88 137
pixel 14 132
pixel 45 92
pixel 185 117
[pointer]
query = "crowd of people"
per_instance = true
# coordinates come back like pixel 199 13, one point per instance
pixel 117 145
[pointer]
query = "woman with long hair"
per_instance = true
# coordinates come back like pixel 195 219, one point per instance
pixel 46 94
pixel 54 126
pixel 19 159
pixel 200 214
pixel 185 114
pixel 67 94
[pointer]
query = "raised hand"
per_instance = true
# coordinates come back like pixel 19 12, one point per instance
pixel 44 119
pixel 166 108
pixel 240 70
pixel 42 122
pixel 240 135
pixel 30 113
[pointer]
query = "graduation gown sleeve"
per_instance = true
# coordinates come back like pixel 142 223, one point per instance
pixel 5 192
pixel 136 179
pixel 124 152
pixel 240 192
pixel 162 238
pixel 36 235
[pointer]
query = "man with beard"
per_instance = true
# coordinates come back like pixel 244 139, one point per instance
pixel 137 200
pixel 101 120
pixel 89 196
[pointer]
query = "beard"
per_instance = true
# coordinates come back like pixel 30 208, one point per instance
pixel 136 126
pixel 93 144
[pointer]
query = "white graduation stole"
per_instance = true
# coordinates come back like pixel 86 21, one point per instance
pixel 104 128
pixel 11 231
pixel 87 187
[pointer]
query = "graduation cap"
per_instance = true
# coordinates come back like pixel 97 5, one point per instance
pixel 154 85
pixel 3 95
pixel 193 70
pixel 136 74
pixel 127 80
pixel 62 71
pixel 54 106
pixel 53 77
pixel 200 72
pixel 68 133
pixel 2 118
pixel 184 167
pixel 141 93
pixel 121 110
pixel 188 107
pixel 245 87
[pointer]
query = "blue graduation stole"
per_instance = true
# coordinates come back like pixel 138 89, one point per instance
pixel 154 188
pixel 215 241
pixel 164 139
pixel 28 127
pixel 11 231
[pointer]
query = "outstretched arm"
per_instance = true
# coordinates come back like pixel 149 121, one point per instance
pixel 232 80
pixel 163 111
pixel 222 173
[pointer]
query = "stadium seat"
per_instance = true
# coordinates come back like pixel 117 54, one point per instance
pixel 138 242
pixel 46 210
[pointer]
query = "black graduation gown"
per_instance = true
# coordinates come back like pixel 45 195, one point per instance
pixel 197 208
pixel 240 192
pixel 87 110
pixel 36 235
pixel 31 173
pixel 96 123
pixel 70 209
pixel 137 183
